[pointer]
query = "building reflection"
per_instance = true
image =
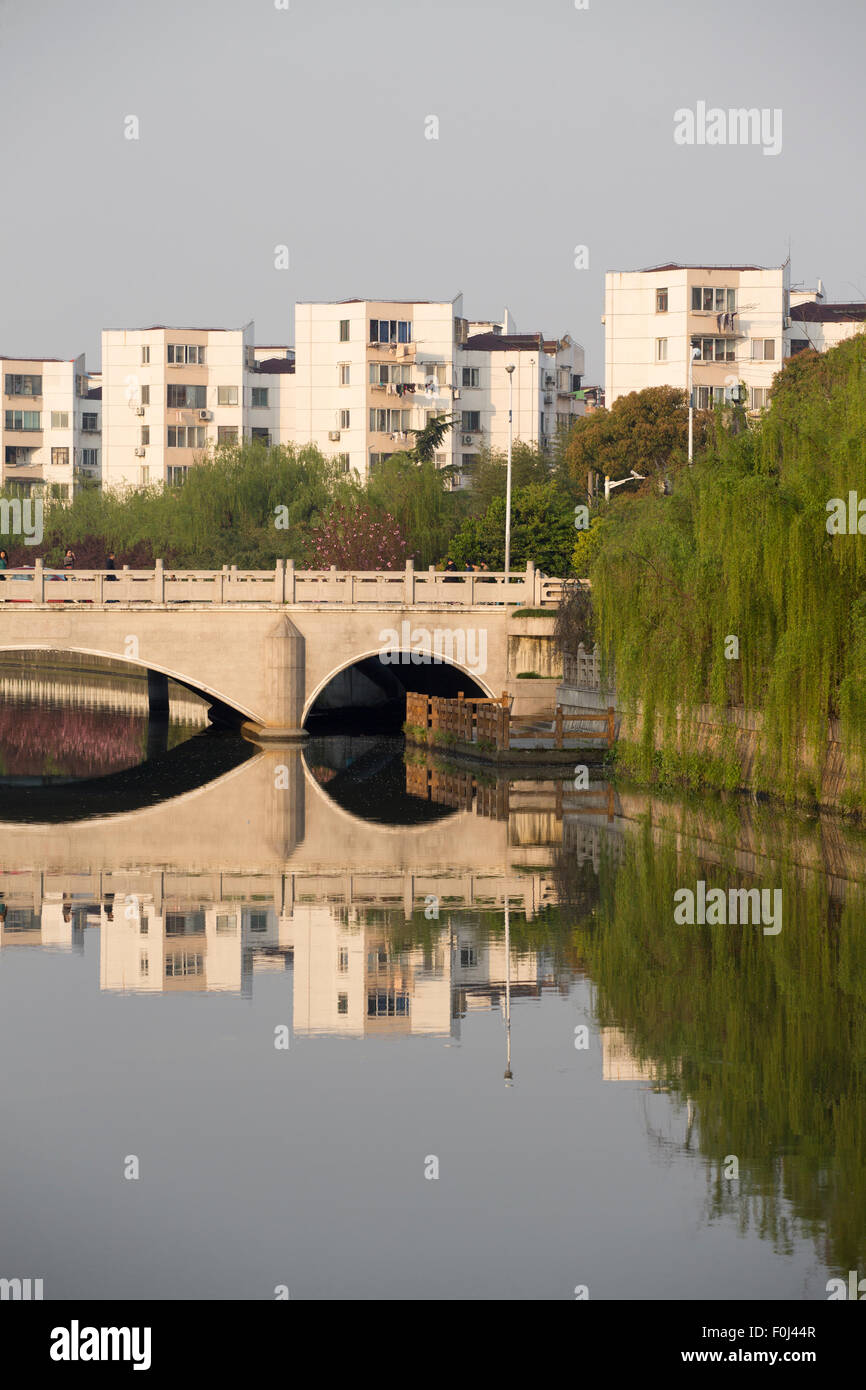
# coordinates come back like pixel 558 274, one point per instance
pixel 361 957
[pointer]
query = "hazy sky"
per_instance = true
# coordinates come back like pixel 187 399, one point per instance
pixel 306 127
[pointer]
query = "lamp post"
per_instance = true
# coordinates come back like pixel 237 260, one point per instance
pixel 510 371
pixel 609 486
pixel 694 354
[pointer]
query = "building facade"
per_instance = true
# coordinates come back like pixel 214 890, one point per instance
pixel 741 321
pixel 50 427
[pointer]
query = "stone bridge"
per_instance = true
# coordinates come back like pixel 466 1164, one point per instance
pixel 265 644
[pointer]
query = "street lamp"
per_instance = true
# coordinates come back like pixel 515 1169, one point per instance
pixel 609 486
pixel 693 357
pixel 510 371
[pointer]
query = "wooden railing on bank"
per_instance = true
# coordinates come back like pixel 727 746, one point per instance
pixel 499 799
pixel 284 584
pixel 490 725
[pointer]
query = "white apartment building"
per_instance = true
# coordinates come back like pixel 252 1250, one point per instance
pixel 743 321
pixel 50 425
pixel 369 372
pixel 170 394
pixel 735 317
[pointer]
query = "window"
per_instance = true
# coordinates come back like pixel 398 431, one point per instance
pixel 143 966
pixel 342 1003
pixel 186 397
pixel 467 462
pixel 709 299
pixel 145 355
pixel 145 395
pixel 187 437
pixel 184 963
pixel 144 475
pixel 227 434
pixel 344 330
pixel 759 397
pixel 24 419
pixel 258 921
pixel 390 373
pixel 23 385
pixel 343 959
pixel 388 1003
pixel 343 461
pixel 390 331
pixel 187 354
pixel 60 419
pixel 708 396
pixel 661 301
pixel 145 434
pixel 471 421
pixel 716 349
pixel 227 395
pixel 661 349
pixel 90 458
pixel 389 421
pixel 798 345
pixel 262 434
pixel 471 376
pixel 376 459
pixel 468 957
pixel 260 398
pixel 344 372
pixel 90 422
pixel 59 458
pixel 226 924
pixel 176 474
pixel 763 349
pixel 344 419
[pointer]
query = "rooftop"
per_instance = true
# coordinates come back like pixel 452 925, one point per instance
pixel 677 265
pixel 828 313
pixel 506 342
pixel 274 366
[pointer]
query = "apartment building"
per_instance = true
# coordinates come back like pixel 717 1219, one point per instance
pixel 170 394
pixel 370 372
pixel 544 383
pixel 50 427
pixel 735 317
pixel 742 321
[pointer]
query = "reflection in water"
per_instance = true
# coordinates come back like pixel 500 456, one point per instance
pixel 416 907
pixel 67 715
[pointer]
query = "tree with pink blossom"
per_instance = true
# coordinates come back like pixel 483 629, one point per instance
pixel 357 538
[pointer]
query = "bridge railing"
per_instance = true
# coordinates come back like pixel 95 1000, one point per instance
pixel 284 584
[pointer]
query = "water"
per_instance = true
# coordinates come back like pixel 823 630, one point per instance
pixel 159 949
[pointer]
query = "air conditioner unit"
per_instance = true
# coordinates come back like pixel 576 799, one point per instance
pixel 334 435
pixel 140 452
pixel 140 410
pixel 467 439
pixel 205 415
pixel 455 394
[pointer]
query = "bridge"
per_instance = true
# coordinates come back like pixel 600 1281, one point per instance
pixel 265 644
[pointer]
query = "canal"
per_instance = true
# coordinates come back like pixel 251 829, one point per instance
pixel 357 1022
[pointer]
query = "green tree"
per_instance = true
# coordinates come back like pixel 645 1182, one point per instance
pixel 419 498
pixel 487 476
pixel 542 529
pixel 646 430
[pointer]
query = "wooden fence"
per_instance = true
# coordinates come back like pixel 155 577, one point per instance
pixel 491 725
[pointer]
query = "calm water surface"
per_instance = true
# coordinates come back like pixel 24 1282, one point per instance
pixel 290 985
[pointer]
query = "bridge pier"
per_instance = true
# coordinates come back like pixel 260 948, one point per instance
pixel 285 680
pixel 157 694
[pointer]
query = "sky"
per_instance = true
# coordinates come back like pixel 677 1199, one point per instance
pixel 307 127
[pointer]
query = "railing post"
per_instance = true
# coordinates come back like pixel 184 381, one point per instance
pixel 529 586
pixel 409 583
pixel 221 585
pixel 158 582
pixel 100 591
pixel 611 726
pixel 290 581
pixel 38 582
pixel 559 726
pixel 280 581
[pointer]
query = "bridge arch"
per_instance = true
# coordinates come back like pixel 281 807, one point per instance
pixel 363 656
pixel 195 685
